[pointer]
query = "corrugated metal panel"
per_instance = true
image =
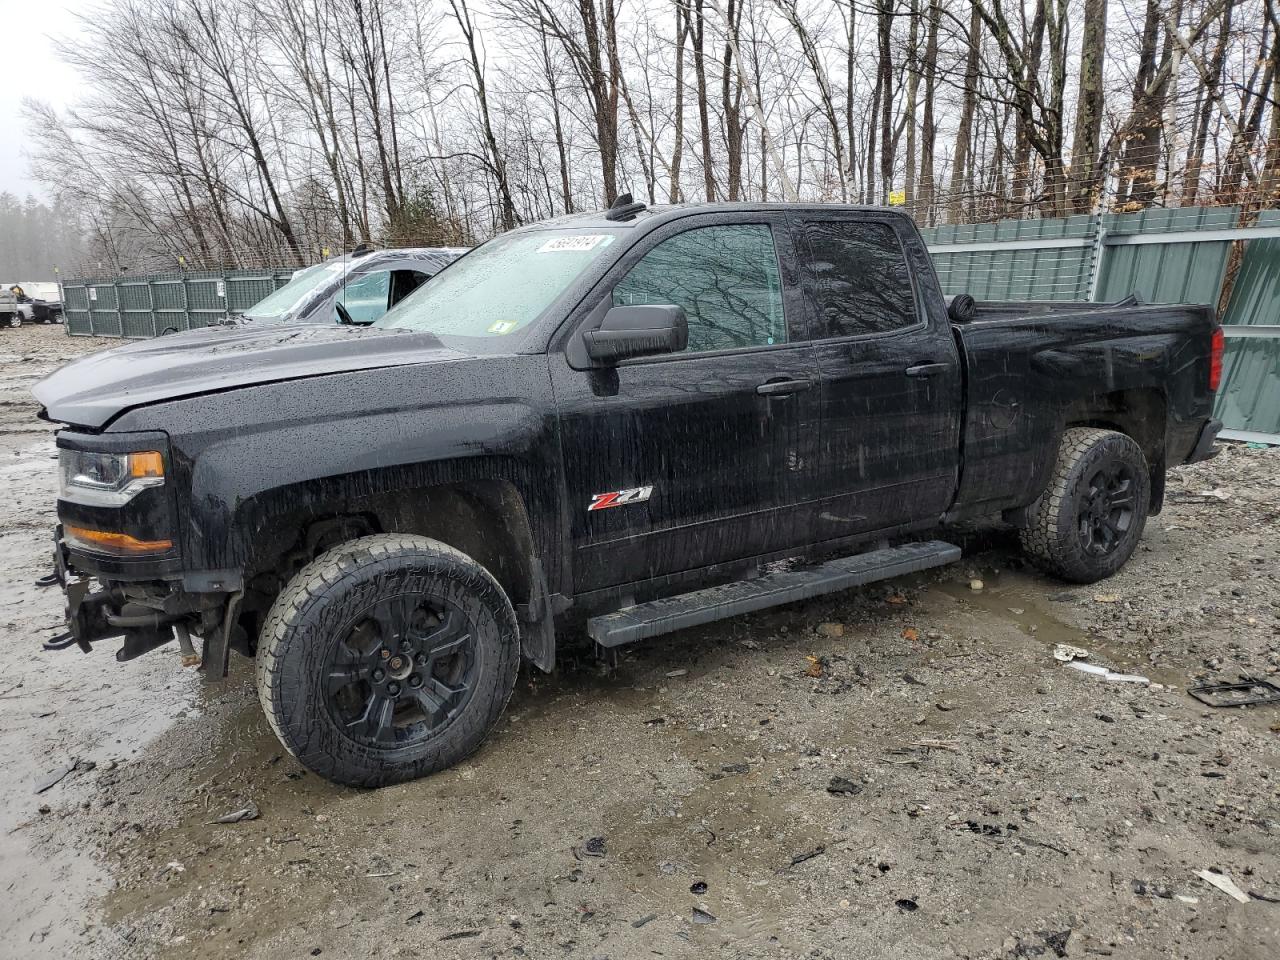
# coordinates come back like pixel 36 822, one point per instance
pixel 1167 273
pixel 1250 395
pixel 146 306
pixel 1249 398
pixel 1040 274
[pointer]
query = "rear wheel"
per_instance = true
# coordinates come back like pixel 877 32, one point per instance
pixel 387 658
pixel 1088 522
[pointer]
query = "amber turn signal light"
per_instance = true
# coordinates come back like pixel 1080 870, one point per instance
pixel 149 463
pixel 107 541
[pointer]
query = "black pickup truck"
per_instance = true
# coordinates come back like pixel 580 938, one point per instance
pixel 620 420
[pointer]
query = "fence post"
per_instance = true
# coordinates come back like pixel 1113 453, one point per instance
pixel 151 305
pixel 1098 249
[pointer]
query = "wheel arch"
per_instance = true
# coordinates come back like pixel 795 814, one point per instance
pixel 1141 414
pixel 488 520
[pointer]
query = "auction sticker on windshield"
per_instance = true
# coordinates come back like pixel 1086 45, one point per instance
pixel 574 244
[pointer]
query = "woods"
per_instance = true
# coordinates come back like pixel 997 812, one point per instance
pixel 233 133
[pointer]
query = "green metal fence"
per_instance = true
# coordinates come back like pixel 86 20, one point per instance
pixel 150 306
pixel 1163 256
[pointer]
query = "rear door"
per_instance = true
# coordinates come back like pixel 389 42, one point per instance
pixel 681 461
pixel 890 371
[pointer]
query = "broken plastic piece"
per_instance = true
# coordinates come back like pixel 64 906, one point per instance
pixel 1249 692
pixel 1108 674
pixel 1223 883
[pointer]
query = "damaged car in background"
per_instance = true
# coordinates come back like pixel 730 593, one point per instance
pixel 616 421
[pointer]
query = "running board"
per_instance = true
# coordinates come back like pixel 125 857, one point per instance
pixel 773 589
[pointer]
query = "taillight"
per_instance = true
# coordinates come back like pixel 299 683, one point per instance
pixel 1215 359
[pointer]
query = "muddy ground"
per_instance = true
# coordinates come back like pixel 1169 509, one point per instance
pixel 903 771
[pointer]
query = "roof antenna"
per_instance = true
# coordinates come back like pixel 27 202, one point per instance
pixel 624 208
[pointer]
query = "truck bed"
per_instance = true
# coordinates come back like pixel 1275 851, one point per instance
pixel 1029 364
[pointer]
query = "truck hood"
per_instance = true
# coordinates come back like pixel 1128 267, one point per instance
pixel 92 390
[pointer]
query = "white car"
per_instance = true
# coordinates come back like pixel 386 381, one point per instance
pixel 10 314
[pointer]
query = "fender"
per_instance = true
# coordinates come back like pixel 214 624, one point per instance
pixel 252 455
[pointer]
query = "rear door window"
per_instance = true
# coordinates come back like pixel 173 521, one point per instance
pixel 725 277
pixel 861 283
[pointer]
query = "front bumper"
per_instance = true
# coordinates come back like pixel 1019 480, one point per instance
pixel 145 614
pixel 1205 448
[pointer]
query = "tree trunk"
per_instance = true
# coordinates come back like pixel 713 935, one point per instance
pixel 885 31
pixel 700 75
pixel 1089 105
pixel 732 104
pixel 928 126
pixel 909 108
pixel 677 148
pixel 1142 149
pixel 964 132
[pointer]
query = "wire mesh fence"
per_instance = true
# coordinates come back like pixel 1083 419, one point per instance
pixel 1227 255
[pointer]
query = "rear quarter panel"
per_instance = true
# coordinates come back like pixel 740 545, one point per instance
pixel 1026 376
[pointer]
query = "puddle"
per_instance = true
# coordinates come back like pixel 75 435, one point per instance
pixel 1022 601
pixel 57 707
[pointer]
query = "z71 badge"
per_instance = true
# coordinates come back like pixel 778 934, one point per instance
pixel 619 498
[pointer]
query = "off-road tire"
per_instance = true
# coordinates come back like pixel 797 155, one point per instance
pixel 308 620
pixel 1052 538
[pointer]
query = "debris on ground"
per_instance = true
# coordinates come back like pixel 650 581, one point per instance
pixel 57 776
pixel 1065 652
pixel 844 787
pixel 594 847
pixel 1105 674
pixel 247 812
pixel 1250 692
pixel 833 630
pixel 1223 883
pixel 702 916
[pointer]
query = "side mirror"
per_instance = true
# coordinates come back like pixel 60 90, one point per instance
pixel 642 331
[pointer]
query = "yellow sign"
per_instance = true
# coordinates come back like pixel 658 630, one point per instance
pixel 897 198
pixel 324 253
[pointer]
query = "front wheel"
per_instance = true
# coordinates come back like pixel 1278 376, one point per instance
pixel 1087 523
pixel 387 658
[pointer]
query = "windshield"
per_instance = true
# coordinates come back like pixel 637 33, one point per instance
pixel 291 296
pixel 501 287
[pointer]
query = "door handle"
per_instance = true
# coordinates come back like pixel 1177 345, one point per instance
pixel 783 388
pixel 927 369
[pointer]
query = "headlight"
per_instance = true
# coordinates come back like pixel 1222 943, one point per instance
pixel 108 479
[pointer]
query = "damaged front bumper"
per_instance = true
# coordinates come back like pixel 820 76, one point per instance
pixel 144 614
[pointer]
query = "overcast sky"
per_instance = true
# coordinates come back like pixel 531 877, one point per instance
pixel 31 69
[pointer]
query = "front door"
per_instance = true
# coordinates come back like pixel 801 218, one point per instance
pixel 680 461
pixel 891 378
